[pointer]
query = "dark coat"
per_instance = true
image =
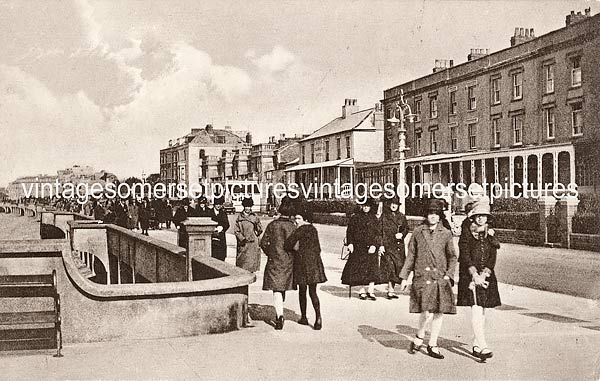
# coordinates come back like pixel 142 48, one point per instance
pixel 431 256
pixel 308 266
pixel 121 215
pixel 219 240
pixel 247 229
pixel 362 267
pixel 203 212
pixel 393 223
pixel 180 215
pixel 144 216
pixel 134 216
pixel 479 251
pixel 279 271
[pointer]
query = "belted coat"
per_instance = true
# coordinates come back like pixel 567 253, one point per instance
pixel 431 256
pixel 279 271
pixel 247 229
pixel 362 267
pixel 393 223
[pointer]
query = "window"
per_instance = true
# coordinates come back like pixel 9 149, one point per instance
pixel 495 90
pixel 326 150
pixel 472 136
pixel 433 111
pixel 303 154
pixel 576 71
pixel 577 118
pixel 517 125
pixel 348 147
pixel 517 80
pixel 312 153
pixel 453 138
pixel 417 143
pixel 338 143
pixel 453 103
pixel 433 141
pixel 388 151
pixel 549 78
pixel 549 122
pixel 417 110
pixel 220 139
pixel 496 132
pixel 471 100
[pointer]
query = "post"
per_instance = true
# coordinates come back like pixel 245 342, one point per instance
pixel 566 211
pixel 545 205
pixel 197 233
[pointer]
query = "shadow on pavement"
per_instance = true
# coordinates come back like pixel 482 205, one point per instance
pixel 453 346
pixel 266 313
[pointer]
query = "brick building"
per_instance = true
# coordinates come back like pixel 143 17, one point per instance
pixel 528 113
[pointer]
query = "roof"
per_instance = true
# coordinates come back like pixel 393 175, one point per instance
pixel 324 164
pixel 204 138
pixel 289 152
pixel 339 124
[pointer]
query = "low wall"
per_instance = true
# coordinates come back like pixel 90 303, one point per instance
pixel 520 237
pixel 585 241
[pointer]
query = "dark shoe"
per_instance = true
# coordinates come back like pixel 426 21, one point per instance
pixel 362 296
pixel 413 348
pixel 435 354
pixel 318 324
pixel 478 352
pixel 391 296
pixel 303 321
pixel 279 323
pixel 371 296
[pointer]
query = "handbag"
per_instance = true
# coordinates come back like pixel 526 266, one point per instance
pixel 345 251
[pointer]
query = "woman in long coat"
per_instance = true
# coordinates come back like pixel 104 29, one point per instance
pixel 279 271
pixel 247 230
pixel 134 213
pixel 308 266
pixel 477 283
pixel 219 239
pixel 394 229
pixel 432 258
pixel 144 216
pixel 363 238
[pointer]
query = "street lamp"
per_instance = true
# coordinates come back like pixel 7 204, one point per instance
pixel 404 112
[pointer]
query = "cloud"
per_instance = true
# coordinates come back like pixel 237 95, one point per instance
pixel 277 60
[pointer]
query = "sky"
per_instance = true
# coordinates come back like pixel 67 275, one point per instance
pixel 108 83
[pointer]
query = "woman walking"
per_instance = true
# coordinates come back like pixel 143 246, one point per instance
pixel 432 259
pixel 477 283
pixel 279 271
pixel 247 229
pixel 308 266
pixel 394 230
pixel 363 238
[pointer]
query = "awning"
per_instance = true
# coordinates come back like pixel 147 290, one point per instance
pixel 332 163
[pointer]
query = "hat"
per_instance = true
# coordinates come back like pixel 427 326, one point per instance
pixel 435 205
pixel 285 208
pixel 369 202
pixel 480 207
pixel 218 200
pixel 247 202
pixel 475 189
pixel 202 200
pixel 393 200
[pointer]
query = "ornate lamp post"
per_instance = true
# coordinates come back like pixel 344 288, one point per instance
pixel 403 111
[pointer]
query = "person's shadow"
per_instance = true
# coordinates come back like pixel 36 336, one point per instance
pixel 403 337
pixel 266 313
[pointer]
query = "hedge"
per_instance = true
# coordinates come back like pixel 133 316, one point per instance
pixel 515 205
pixel 333 206
pixel 589 203
pixel 586 223
pixel 517 220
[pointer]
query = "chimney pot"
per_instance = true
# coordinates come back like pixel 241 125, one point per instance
pixel 531 32
pixel 579 13
pixel 572 12
pixel 516 32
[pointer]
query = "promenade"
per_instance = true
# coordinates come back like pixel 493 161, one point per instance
pixel 534 335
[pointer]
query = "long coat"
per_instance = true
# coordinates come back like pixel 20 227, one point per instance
pixel 144 212
pixel 308 266
pixel 362 267
pixel 479 251
pixel 219 241
pixel 247 229
pixel 134 213
pixel 279 271
pixel 393 223
pixel 121 215
pixel 431 256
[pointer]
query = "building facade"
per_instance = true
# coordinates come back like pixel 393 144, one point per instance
pixel 525 114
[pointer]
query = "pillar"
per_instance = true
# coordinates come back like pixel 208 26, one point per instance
pixel 555 166
pixel 496 177
pixel 566 210
pixel 539 173
pixel 196 236
pixel 545 205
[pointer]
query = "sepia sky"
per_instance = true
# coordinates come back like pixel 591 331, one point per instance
pixel 108 83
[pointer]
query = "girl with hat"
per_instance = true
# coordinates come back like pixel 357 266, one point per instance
pixel 308 266
pixel 432 261
pixel 247 229
pixel 394 229
pixel 279 271
pixel 363 238
pixel 477 283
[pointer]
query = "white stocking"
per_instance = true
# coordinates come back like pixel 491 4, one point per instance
pixel 478 323
pixel 436 327
pixel 278 303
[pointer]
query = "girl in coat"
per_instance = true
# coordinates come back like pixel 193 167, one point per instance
pixel 363 238
pixel 279 271
pixel 477 283
pixel 394 229
pixel 308 266
pixel 432 259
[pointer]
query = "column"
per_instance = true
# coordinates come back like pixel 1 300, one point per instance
pixel 450 178
pixel 196 237
pixel 572 166
pixel 462 171
pixel 555 166
pixel 473 177
pixel 511 171
pixel 525 171
pixel 539 172
pixel 483 179
pixel 439 173
pixel 566 210
pixel 545 204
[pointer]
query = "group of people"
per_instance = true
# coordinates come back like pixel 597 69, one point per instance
pixel 376 245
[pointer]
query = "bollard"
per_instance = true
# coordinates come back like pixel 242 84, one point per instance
pixel 196 236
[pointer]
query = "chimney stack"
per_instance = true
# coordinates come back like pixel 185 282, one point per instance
pixel 477 53
pixel 522 35
pixel 350 107
pixel 575 18
pixel 249 138
pixel 209 129
pixel 442 65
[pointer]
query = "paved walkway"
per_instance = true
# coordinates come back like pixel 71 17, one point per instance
pixel 535 335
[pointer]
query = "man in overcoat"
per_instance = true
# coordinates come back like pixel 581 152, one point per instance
pixel 432 259
pixel 219 241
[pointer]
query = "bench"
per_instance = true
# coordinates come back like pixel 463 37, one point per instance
pixel 30 329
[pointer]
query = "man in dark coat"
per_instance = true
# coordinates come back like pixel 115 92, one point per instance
pixel 394 229
pixel 121 214
pixel 202 209
pixel 181 214
pixel 432 259
pixel 219 241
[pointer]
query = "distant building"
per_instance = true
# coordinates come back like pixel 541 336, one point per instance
pixel 332 152
pixel 19 188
